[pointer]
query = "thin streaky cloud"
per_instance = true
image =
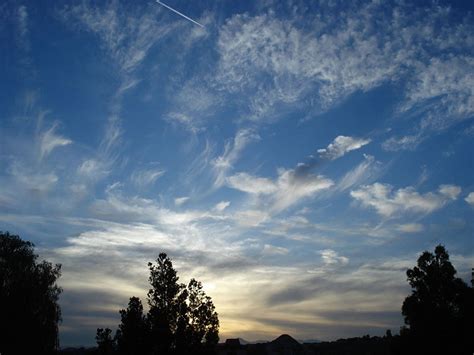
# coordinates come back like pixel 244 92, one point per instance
pixel 179 13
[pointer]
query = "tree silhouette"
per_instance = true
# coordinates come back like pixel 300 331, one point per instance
pixel 439 311
pixel 183 319
pixel 29 312
pixel 133 333
pixel 105 343
pixel 166 299
pixel 204 323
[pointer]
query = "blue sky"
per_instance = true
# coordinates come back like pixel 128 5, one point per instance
pixel 294 156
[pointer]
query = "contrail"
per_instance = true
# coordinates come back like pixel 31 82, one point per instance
pixel 179 13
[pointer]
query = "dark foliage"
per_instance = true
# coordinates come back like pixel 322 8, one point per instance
pixel 439 312
pixel 365 345
pixel 105 343
pixel 181 319
pixel 78 351
pixel 29 310
pixel 133 334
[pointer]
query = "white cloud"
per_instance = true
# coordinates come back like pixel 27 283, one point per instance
pixel 410 227
pixel 92 169
pixel 299 63
pixel 200 164
pixel 126 34
pixel 23 27
pixel 221 206
pixel 251 184
pixel 117 207
pixel 272 250
pixel 178 201
pixel 277 195
pixel 291 188
pixel 331 257
pixel 193 104
pixel 342 145
pixel 450 82
pixel 317 61
pixel 112 136
pixel 251 217
pixel 146 177
pixel 232 151
pixel 49 140
pixel 450 191
pixel 470 198
pixel 369 169
pixel 33 181
pixel 388 203
pixel 187 120
pixel 409 142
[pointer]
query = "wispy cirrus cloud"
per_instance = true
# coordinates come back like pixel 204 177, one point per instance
pixel 49 140
pixel 442 93
pixel 321 64
pixel 193 105
pixel 232 151
pixel 408 142
pixel 283 192
pixel 31 180
pixel 145 177
pixel 368 169
pixel 410 228
pixel 126 34
pixel 299 63
pixel 178 201
pixel 251 184
pixel 388 203
pixel 287 65
pixel 23 27
pixel 445 86
pixel 221 206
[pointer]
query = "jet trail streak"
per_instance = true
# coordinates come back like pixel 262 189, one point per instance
pixel 179 13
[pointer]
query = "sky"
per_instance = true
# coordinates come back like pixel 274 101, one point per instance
pixel 294 156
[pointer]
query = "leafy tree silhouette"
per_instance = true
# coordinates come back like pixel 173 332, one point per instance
pixel 105 343
pixel 183 319
pixel 166 299
pixel 29 310
pixel 133 333
pixel 203 319
pixel 439 311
